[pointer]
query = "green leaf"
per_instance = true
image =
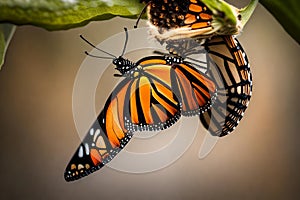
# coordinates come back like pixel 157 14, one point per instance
pixel 6 33
pixel 247 12
pixel 65 14
pixel 287 12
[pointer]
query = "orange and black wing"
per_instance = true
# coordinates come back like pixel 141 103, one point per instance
pixel 174 19
pixel 194 90
pixel 137 103
pixel 197 92
pixel 150 103
pixel 178 14
pixel 106 137
pixel 229 68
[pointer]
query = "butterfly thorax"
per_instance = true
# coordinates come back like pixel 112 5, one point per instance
pixel 124 66
pixel 173 60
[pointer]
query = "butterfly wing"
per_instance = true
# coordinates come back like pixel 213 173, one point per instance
pixel 138 102
pixel 106 137
pixel 174 19
pixel 194 89
pixel 229 68
pixel 150 102
pixel 95 151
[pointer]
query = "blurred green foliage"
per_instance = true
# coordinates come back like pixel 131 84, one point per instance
pixel 65 14
pixel 6 33
pixel 287 12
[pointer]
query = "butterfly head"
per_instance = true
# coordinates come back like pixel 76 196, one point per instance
pixel 123 65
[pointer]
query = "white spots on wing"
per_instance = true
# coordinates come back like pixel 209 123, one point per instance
pixel 80 152
pixel 87 149
pixel 91 131
pixel 235 42
pixel 245 60
pixel 97 133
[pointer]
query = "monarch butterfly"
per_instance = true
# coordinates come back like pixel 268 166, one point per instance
pixel 229 68
pixel 171 19
pixel 155 92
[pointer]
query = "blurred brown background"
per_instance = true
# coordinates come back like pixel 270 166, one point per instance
pixel 260 160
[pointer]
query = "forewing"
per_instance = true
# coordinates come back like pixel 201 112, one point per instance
pixel 104 140
pixel 177 19
pixel 152 104
pixel 196 91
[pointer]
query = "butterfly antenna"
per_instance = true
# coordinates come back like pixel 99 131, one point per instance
pixel 113 56
pixel 160 53
pixel 126 40
pixel 140 15
pixel 94 56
